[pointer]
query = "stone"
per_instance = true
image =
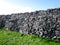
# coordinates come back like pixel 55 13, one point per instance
pixel 45 23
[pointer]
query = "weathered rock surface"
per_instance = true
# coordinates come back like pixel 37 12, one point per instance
pixel 43 23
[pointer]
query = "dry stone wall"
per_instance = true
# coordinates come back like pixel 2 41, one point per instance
pixel 44 23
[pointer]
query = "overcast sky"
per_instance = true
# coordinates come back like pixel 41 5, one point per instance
pixel 18 6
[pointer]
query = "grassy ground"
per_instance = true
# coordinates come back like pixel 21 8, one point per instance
pixel 15 38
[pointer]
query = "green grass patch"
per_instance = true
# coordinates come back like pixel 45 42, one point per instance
pixel 15 38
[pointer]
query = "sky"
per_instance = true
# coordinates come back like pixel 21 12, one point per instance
pixel 18 6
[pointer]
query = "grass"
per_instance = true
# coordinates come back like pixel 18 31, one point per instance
pixel 16 38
